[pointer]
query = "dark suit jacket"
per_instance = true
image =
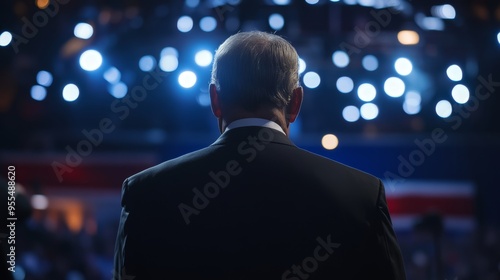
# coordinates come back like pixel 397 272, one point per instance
pixel 254 206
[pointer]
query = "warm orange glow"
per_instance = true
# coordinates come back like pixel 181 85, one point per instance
pixel 408 37
pixel 42 4
pixel 74 217
pixel 330 141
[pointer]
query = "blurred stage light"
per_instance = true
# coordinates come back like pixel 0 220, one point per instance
pixel 498 37
pixel 187 79
pixel 5 38
pixel 340 59
pixel 118 90
pixel 312 2
pixel 276 21
pixel 394 87
pixel 443 109
pixel 350 2
pixel 367 3
pixel 454 72
pixel 70 92
pixel 203 58
pixel 311 80
pixel 168 63
pixel 345 84
pixel 44 78
pixel 90 60
pixel 408 37
pixel 204 99
pixel 446 11
pixel 39 202
pixel 403 66
pixel 370 62
pixel 169 51
pixel 367 92
pixel 147 63
pixel 42 4
pixel 460 94
pixel 429 23
pixel 411 109
pixel 38 92
pixel 369 111
pixel 413 98
pixel 334 0
pixel 185 24
pixel 83 30
pixel 192 3
pixel 281 2
pixel 329 141
pixel 208 24
pixel 302 65
pixel 112 75
pixel 350 113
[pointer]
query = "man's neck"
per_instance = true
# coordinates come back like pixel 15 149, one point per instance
pixel 274 115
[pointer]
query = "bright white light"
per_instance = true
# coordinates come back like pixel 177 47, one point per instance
pixel 118 90
pixel 498 37
pixel 276 21
pixel 311 79
pixel 367 3
pixel 370 62
pixel 403 66
pixel 394 87
pixel 312 2
pixel 187 79
pixel 5 38
pixel 112 75
pixel 454 72
pixel 203 58
pixel 281 2
pixel 460 94
pixel 329 141
pixel 83 30
pixel 38 92
pixel 90 60
pixel 334 0
pixel 147 63
pixel 169 63
pixel 208 24
pixel 444 11
pixel 430 23
pixel 350 2
pixel 185 24
pixel 44 78
pixel 443 109
pixel 302 65
pixel 70 92
pixel 366 92
pixel 39 202
pixel 340 59
pixel 413 98
pixel 345 84
pixel 350 113
pixel 411 109
pixel 369 111
pixel 169 51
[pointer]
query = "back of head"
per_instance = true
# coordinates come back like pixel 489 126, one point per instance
pixel 255 69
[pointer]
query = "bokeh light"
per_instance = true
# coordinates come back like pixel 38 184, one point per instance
pixel 44 78
pixel 38 93
pixel 70 92
pixel 83 30
pixel 443 108
pixel 366 92
pixel 276 21
pixel 403 66
pixel 168 63
pixel 311 79
pixel 460 94
pixel 112 75
pixel 147 63
pixel 394 87
pixel 118 90
pixel 187 79
pixel 90 60
pixel 329 141
pixel 454 72
pixel 5 38
pixel 185 24
pixel 208 24
pixel 203 58
pixel 340 59
pixel 351 113
pixel 345 84
pixel 408 37
pixel 369 111
pixel 302 65
pixel 370 62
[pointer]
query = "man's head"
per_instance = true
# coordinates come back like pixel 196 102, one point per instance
pixel 255 74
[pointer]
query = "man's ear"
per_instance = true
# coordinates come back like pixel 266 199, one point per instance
pixel 293 107
pixel 214 101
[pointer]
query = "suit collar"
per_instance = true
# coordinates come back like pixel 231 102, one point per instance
pixel 264 134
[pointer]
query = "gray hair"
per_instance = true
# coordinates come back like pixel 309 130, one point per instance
pixel 254 69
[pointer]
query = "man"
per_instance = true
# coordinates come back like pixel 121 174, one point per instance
pixel 253 205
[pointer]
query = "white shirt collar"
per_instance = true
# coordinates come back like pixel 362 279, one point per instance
pixel 254 122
